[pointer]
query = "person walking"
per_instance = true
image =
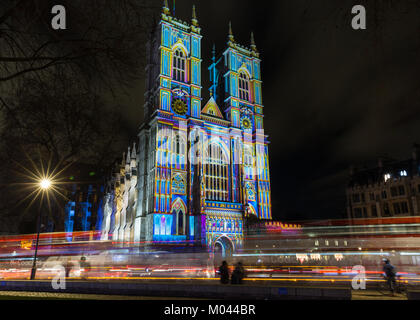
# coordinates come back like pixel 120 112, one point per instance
pixel 68 266
pixel 390 275
pixel 224 273
pixel 238 274
pixel 84 267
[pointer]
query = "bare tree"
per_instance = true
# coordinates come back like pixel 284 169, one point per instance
pixel 52 83
pixel 103 41
pixel 54 123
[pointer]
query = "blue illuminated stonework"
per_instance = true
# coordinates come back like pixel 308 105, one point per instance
pixel 199 168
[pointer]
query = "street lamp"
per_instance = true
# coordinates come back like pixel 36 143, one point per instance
pixel 44 185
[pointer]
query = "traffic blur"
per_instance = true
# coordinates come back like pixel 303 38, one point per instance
pixel 318 255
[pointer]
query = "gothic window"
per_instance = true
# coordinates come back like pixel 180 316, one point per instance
pixel 178 145
pixel 216 174
pixel 243 86
pixel 248 162
pixel 179 66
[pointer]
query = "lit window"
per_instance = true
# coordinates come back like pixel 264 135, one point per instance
pixel 403 173
pixel 179 66
pixel 387 177
pixel 178 146
pixel 317 243
pixel 243 87
pixel 345 243
pixel 327 243
pixel 248 162
pixel 216 174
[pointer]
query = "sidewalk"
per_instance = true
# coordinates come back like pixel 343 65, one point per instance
pixel 184 290
pixel 375 295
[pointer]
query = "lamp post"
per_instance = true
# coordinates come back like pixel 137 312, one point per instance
pixel 45 185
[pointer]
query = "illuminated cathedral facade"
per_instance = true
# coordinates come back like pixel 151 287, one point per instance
pixel 200 167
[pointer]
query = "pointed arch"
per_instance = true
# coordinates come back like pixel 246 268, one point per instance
pixel 244 69
pixel 226 244
pixel 180 46
pixel 219 142
pixel 179 213
pixel 253 211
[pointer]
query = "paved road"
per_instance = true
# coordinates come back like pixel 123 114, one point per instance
pixel 20 295
pixel 15 295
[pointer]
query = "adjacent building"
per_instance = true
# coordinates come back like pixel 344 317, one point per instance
pixel 84 190
pixel 392 189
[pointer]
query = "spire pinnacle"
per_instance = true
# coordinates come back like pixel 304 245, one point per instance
pixel 134 151
pixel 166 7
pixel 194 17
pixel 253 45
pixel 128 156
pixel 231 38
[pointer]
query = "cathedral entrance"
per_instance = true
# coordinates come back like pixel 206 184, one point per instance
pixel 223 249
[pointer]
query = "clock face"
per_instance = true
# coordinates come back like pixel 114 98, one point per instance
pixel 246 123
pixel 180 107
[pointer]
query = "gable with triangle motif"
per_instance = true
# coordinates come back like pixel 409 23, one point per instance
pixel 211 109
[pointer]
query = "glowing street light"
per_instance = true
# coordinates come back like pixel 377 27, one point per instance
pixel 45 184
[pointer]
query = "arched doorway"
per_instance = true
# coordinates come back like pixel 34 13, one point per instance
pixel 223 249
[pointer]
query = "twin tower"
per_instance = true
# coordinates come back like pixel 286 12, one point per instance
pixel 200 168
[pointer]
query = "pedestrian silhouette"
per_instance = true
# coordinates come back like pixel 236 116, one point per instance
pixel 68 266
pixel 238 274
pixel 224 273
pixel 85 267
pixel 390 275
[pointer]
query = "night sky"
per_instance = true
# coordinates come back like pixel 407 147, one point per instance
pixel 333 96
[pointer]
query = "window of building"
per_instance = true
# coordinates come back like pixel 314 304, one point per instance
pixel 387 212
pixel 217 174
pixel 363 197
pixel 418 188
pixel 248 162
pixel 243 86
pixel 397 209
pixel 394 192
pixel 358 213
pixel 179 66
pixel 403 173
pixel 356 197
pixel 384 195
pixel 374 211
pixel 372 196
pixel 364 212
pixel 387 177
pixel 401 190
pixel 404 207
pixel 316 243
pixel 178 146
